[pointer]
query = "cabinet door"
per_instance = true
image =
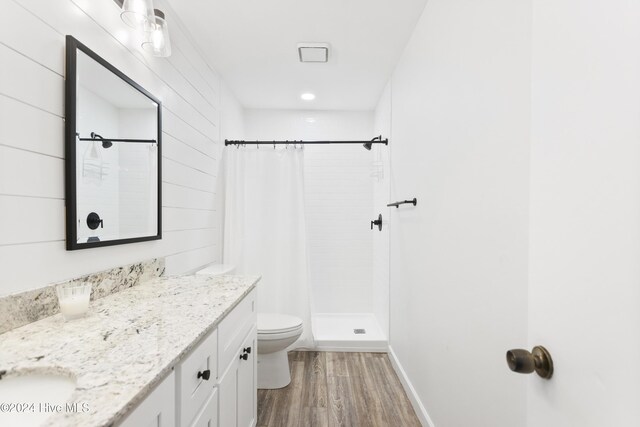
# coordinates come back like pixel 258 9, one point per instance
pixel 228 389
pixel 208 416
pixel 193 389
pixel 247 382
pixel 157 409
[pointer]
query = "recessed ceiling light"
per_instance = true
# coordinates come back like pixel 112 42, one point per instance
pixel 308 96
pixel 310 120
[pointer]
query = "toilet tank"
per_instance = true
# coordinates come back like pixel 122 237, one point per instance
pixel 217 270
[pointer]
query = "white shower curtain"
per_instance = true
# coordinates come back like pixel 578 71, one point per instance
pixel 265 229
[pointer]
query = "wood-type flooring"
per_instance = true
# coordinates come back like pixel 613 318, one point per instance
pixel 337 389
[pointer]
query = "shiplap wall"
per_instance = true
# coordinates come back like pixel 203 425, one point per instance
pixel 32 230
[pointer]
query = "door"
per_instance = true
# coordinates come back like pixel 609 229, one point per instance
pixel 238 391
pixel 228 389
pixel 157 409
pixel 584 287
pixel 247 382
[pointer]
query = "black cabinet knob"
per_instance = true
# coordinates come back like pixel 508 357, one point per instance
pixel 247 350
pixel 244 356
pixel 205 375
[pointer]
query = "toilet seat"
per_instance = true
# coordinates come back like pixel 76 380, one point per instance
pixel 274 323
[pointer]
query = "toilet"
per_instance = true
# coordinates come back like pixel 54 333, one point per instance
pixel 276 332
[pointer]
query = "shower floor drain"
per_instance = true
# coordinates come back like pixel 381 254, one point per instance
pixel 359 331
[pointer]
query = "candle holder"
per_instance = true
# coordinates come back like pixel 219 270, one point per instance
pixel 74 299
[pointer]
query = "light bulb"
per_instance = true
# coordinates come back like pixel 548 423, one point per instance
pixel 138 14
pixel 157 40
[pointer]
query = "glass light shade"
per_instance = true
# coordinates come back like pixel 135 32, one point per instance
pixel 138 14
pixel 157 40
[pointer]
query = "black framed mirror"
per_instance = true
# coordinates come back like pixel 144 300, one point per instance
pixel 113 154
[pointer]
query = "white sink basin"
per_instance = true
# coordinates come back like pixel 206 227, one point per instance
pixel 33 391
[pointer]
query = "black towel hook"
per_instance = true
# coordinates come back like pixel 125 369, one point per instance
pixel 414 202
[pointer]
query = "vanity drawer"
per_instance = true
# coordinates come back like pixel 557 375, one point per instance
pixel 208 416
pixel 234 327
pixel 157 409
pixel 197 376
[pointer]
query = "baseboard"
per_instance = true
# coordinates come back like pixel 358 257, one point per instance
pixel 349 349
pixel 421 412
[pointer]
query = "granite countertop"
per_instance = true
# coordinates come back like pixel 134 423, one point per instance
pixel 126 345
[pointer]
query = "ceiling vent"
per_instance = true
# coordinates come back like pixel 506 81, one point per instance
pixel 313 52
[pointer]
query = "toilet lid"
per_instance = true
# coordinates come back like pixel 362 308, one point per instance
pixel 274 323
pixel 216 270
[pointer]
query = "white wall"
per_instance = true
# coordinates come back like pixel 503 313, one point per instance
pixel 585 212
pixel 460 144
pixel 231 127
pixel 32 231
pixel 339 192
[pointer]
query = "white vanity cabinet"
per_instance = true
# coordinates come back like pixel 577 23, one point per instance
pixel 157 409
pixel 238 389
pixel 196 378
pixel 238 364
pixel 215 384
pixel 247 389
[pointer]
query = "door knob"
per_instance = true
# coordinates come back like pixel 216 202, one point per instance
pixel 525 362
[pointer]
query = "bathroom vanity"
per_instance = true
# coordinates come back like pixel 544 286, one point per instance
pixel 172 351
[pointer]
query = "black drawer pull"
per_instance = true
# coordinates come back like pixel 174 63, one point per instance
pixel 244 356
pixel 205 375
pixel 247 350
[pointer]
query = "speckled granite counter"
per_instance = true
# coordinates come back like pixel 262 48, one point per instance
pixel 126 345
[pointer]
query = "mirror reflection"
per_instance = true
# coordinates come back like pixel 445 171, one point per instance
pixel 116 157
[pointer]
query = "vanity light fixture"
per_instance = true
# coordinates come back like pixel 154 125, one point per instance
pixel 138 14
pixel 156 41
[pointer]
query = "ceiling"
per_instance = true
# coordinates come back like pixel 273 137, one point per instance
pixel 253 45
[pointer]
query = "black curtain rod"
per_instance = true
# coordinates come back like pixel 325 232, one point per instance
pixel 147 141
pixel 108 142
pixel 377 140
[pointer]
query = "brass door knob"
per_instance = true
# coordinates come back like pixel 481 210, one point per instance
pixel 525 362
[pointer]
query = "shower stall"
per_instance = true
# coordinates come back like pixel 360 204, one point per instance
pixel 345 190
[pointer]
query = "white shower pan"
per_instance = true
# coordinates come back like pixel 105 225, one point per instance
pixel 344 332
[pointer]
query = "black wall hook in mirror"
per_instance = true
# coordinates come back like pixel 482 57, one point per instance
pixel 94 221
pixel 377 222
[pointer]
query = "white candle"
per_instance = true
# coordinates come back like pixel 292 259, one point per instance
pixel 74 306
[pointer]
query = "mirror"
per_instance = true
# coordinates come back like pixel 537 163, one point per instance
pixel 113 149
